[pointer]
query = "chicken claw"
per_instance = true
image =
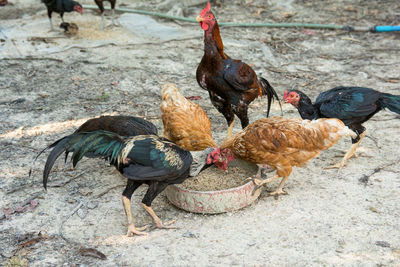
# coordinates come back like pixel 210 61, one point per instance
pixel 162 225
pixel 256 187
pixel 338 166
pixel 157 220
pixel 277 193
pixel 132 230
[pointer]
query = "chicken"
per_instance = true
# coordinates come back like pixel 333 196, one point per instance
pixel 69 28
pixel 231 83
pixel 142 159
pixel 121 125
pixel 280 143
pixel 99 3
pixel 352 105
pixel 185 122
pixel 61 6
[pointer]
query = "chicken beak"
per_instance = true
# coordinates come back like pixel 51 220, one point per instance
pixel 199 19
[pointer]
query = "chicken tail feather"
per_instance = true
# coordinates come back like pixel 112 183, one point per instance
pixel 270 92
pixel 40 153
pixel 101 144
pixel 392 102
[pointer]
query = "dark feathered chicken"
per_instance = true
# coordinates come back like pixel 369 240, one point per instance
pixel 142 159
pixel 61 6
pixel 99 3
pixel 352 105
pixel 69 28
pixel 121 125
pixel 231 83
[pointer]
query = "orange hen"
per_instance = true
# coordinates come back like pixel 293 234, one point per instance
pixel 185 122
pixel 280 143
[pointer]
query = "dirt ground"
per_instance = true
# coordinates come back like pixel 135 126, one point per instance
pixel 51 84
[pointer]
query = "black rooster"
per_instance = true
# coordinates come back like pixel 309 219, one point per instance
pixel 61 6
pixel 231 84
pixel 121 125
pixel 99 3
pixel 352 105
pixel 142 159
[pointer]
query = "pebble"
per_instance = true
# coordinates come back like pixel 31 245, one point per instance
pixel 383 244
pixel 189 234
pixel 82 212
pixel 92 204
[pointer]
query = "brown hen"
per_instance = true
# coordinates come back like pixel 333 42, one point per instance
pixel 185 122
pixel 280 143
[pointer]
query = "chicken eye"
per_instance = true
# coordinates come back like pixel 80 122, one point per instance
pixel 209 16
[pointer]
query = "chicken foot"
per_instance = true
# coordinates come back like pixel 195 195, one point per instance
pixel 279 191
pixel 132 230
pixel 349 154
pixel 262 168
pixel 157 220
pixel 112 19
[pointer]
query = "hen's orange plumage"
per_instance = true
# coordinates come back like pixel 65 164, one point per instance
pixel 185 122
pixel 281 143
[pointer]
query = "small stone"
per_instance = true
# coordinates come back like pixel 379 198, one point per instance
pixel 189 234
pixel 383 244
pixel 92 204
pixel 84 191
pixel 373 209
pixel 82 213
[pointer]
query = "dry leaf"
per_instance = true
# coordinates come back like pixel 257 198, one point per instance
pixel 309 32
pixel 91 252
pixel 43 95
pixel 350 8
pixel 287 14
pixel 374 12
pixel 373 209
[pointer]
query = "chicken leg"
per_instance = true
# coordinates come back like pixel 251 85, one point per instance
pixel 279 191
pixel 102 21
pixel 131 186
pixel 230 129
pixel 157 220
pixel 155 188
pixel 131 226
pixel 112 16
pixel 349 154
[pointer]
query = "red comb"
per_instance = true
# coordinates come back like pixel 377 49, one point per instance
pixel 208 7
pixel 285 94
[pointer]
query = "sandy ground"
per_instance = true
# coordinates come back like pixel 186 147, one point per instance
pixel 330 219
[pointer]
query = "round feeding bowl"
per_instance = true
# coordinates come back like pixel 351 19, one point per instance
pixel 218 201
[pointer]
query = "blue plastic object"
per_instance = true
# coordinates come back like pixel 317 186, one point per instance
pixel 386 28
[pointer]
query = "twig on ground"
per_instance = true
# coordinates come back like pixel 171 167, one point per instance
pixel 62 183
pixel 365 178
pixel 33 58
pixel 60 228
pixel 23 203
pixel 108 190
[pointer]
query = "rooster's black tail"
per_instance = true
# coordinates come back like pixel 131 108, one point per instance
pixel 92 144
pixel 269 91
pixel 392 102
